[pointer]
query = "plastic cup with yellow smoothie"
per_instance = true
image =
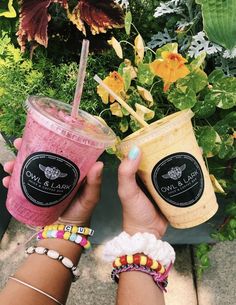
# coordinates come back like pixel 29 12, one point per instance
pixel 173 170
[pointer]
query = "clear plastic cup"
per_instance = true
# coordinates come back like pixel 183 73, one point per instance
pixel 56 154
pixel 173 169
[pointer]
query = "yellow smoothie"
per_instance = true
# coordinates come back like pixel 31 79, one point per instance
pixel 173 169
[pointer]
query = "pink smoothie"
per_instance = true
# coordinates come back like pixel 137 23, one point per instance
pixel 56 154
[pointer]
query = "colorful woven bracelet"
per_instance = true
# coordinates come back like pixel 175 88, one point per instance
pixel 70 229
pixel 56 256
pixel 76 238
pixel 161 280
pixel 139 260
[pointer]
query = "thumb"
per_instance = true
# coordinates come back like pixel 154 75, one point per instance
pixel 127 185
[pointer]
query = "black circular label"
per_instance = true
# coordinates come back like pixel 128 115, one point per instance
pixel 47 179
pixel 178 179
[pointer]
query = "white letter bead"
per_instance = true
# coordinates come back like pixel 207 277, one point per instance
pixel 67 262
pixel 53 254
pixel 40 250
pixel 78 239
pixel 30 250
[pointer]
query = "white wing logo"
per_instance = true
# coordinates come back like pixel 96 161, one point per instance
pixel 175 172
pixel 52 173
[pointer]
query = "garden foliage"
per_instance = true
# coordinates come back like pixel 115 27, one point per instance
pixel 175 62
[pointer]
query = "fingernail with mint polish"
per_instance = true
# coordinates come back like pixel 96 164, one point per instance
pixel 133 153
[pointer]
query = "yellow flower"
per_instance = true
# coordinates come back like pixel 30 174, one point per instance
pixel 116 83
pixel 170 68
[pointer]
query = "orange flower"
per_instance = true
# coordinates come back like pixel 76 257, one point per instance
pixel 170 68
pixel 115 82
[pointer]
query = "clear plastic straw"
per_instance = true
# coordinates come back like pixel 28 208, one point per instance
pixel 80 78
pixel 121 102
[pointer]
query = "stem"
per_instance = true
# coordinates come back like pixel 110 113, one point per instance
pixel 208 123
pixel 127 42
pixel 135 28
pixel 104 110
pixel 147 48
pixel 207 166
pixel 189 5
pixel 154 84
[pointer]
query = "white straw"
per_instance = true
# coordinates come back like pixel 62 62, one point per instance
pixel 80 77
pixel 121 102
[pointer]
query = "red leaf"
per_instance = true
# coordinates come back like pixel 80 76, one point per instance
pixel 101 15
pixel 34 20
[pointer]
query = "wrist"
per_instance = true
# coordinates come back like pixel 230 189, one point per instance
pixel 133 229
pixel 70 221
pixel 64 247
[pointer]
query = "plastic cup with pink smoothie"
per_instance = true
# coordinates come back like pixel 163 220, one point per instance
pixel 56 154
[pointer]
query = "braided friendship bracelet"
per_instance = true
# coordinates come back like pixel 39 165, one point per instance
pixel 76 238
pixel 56 256
pixel 161 280
pixel 141 260
pixel 70 228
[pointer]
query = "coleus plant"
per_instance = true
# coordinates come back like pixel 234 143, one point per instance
pixel 99 16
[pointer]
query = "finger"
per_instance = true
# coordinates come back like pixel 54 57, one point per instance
pixel 92 187
pixel 8 166
pixel 6 181
pixel 17 143
pixel 82 206
pixel 126 174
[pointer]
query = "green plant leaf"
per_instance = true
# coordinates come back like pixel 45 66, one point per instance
pixel 221 127
pixel 216 76
pixel 134 125
pixel 111 151
pixel 223 93
pixel 232 223
pixel 202 249
pixel 128 22
pixel 148 57
pixel 196 80
pixel 120 69
pixel 231 209
pixel 206 137
pixel 145 75
pixel 6 9
pixel 226 146
pixel 205 261
pixel 197 62
pixel 124 125
pixel 204 109
pixel 182 99
pixel 230 119
pixel 170 47
pixel 127 78
pixel 219 19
